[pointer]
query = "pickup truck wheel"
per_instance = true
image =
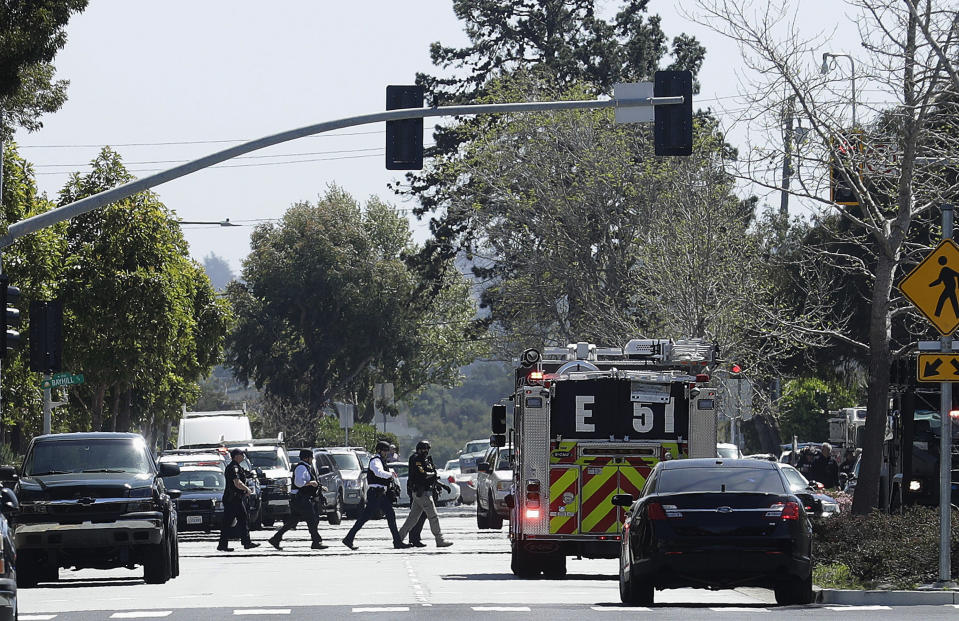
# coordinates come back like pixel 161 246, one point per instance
pixel 28 570
pixel 175 558
pixel 158 562
pixel 482 519
pixel 494 520
pixel 336 516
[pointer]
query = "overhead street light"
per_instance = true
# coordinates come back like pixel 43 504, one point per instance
pixel 827 65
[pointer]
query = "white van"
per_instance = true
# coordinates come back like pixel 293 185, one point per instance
pixel 208 428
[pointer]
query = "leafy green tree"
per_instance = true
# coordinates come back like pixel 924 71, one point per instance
pixel 805 404
pixel 142 322
pixel 329 433
pixel 32 263
pixel 31 33
pixel 327 308
pixel 218 271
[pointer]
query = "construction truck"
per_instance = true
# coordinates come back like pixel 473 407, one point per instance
pixel 589 423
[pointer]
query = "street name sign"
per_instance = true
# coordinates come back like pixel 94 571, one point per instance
pixel 938 368
pixel 62 379
pixel 933 287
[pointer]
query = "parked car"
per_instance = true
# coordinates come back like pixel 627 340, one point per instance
pixel 816 503
pixel 94 500
pixel 443 497
pixel 728 451
pixel 334 505
pixel 493 483
pixel 710 523
pixel 467 482
pixel 354 479
pixel 272 467
pixel 253 502
pixel 473 453
pixel 9 506
pixel 200 505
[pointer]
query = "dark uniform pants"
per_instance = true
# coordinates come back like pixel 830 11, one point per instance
pixel 301 510
pixel 376 500
pixel 234 509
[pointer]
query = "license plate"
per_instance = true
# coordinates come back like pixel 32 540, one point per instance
pixel 194 519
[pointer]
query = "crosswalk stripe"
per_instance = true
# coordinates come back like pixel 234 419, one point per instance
pixel 384 609
pixel 37 617
pixel 141 614
pixel 262 611
pixel 623 608
pixel 739 609
pixel 857 608
pixel 501 608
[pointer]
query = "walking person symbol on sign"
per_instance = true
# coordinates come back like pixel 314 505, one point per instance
pixel 948 278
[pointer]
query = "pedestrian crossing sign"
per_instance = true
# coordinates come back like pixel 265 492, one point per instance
pixel 933 287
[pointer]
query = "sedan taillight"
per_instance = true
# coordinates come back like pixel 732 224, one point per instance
pixel 656 511
pixel 787 511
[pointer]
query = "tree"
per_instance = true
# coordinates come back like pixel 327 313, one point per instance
pixel 142 321
pixel 805 406
pixel 907 69
pixel 564 40
pixel 327 308
pixel 31 33
pixel 218 271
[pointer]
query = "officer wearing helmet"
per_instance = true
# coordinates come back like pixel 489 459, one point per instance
pixel 422 480
pixel 378 497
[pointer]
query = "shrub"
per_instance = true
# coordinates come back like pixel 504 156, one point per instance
pixel 881 550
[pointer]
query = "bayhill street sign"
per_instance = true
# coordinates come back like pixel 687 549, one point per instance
pixel 933 287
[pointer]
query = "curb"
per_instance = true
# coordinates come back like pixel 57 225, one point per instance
pixel 887 598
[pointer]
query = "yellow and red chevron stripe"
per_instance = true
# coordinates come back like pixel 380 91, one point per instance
pixel 563 500
pixel 598 514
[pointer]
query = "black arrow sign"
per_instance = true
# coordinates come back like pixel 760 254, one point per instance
pixel 932 368
pixel 955 366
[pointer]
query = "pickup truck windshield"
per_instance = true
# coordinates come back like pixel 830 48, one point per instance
pixel 95 455
pixel 268 459
pixel 196 481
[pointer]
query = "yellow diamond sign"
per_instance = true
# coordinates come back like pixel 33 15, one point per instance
pixel 933 287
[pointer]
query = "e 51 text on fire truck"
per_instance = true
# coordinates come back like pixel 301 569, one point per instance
pixel 589 423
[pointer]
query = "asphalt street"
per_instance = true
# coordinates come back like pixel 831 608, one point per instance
pixel 470 580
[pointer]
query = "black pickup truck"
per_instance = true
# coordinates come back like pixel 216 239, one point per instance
pixel 94 500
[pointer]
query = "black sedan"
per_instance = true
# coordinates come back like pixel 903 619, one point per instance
pixel 715 523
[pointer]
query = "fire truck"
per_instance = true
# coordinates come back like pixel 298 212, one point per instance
pixel 589 423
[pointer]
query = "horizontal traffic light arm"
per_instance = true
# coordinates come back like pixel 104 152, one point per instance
pixel 60 214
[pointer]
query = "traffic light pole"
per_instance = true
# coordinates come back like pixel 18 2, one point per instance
pixel 61 214
pixel 945 444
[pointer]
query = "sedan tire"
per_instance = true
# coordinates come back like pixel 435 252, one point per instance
pixel 633 594
pixel 797 592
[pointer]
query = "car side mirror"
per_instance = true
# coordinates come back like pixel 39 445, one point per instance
pixel 323 470
pixel 9 504
pixel 623 500
pixel 8 473
pixel 510 501
pixel 174 493
pixel 483 466
pixel 169 470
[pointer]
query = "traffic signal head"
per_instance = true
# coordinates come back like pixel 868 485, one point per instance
pixel 498 418
pixel 673 124
pixel 10 337
pixel 404 138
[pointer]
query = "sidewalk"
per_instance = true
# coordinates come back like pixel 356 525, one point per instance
pixel 885 598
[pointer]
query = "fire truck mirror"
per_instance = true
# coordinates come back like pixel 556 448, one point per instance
pixel 498 419
pixel 530 357
pixel 483 467
pixel 498 440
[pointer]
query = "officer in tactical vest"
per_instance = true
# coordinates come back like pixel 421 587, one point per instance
pixel 233 509
pixel 379 497
pixel 423 479
pixel 305 487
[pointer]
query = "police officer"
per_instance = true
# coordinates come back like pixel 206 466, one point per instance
pixel 233 508
pixel 379 478
pixel 302 502
pixel 423 479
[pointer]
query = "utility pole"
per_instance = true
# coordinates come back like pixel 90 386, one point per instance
pixel 788 118
pixel 945 444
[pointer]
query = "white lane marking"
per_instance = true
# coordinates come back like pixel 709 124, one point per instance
pixel 623 608
pixel 384 609
pixel 501 608
pixel 418 591
pixel 855 608
pixel 741 609
pixel 262 611
pixel 141 614
pixel 36 617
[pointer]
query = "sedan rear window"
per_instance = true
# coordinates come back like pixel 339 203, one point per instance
pixel 719 480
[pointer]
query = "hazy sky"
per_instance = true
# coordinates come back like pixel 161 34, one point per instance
pixel 165 81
